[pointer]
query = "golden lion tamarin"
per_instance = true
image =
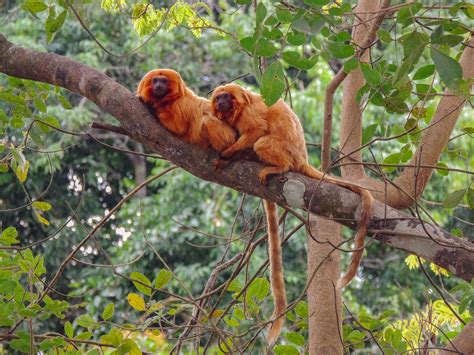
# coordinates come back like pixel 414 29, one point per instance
pixel 182 112
pixel 276 135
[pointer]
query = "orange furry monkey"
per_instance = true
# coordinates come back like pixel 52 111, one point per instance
pixel 276 135
pixel 182 112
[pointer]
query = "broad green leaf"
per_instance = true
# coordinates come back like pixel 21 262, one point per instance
pixel 384 36
pixel 301 309
pixel 405 14
pixel 392 159
pixel 295 338
pixel 139 285
pixel 3 167
pixel 424 72
pixel 284 15
pixel 114 337
pixel 265 48
pixel 68 330
pixel 371 75
pixel 442 172
pixel 259 288
pixel 86 321
pixel 273 83
pixel 395 105
pixel 261 13
pixel 454 198
pixel 369 132
pixel 108 311
pixel 34 6
pixel 285 350
pixel 136 301
pixel 248 43
pixel 341 50
pixel 10 232
pixel 351 64
pixel 163 278
pixel 296 38
pixel 234 286
pixel 243 2
pixel 414 44
pixel 449 70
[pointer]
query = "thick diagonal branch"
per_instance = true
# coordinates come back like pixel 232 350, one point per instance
pixel 295 190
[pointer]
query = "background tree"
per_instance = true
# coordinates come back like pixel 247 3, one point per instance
pixel 61 179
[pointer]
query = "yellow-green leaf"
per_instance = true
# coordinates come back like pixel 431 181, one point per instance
pixel 136 301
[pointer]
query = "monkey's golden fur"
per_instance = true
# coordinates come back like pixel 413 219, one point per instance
pixel 276 135
pixel 185 114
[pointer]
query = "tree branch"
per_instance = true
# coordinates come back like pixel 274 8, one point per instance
pixel 290 189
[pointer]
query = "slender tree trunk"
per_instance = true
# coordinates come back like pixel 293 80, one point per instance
pixel 323 304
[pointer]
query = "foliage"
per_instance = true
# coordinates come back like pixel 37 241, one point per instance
pixel 133 285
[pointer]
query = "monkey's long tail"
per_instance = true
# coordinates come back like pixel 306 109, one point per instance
pixel 276 271
pixel 366 215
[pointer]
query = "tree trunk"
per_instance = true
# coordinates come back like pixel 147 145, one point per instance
pixel 323 304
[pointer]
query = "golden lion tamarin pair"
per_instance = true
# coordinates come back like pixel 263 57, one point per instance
pixel 275 135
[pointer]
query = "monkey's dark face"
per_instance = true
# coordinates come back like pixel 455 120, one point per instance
pixel 223 102
pixel 160 86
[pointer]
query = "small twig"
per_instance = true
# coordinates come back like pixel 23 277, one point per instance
pixel 109 127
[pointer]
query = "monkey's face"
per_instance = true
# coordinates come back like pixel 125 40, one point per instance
pixel 161 85
pixel 223 102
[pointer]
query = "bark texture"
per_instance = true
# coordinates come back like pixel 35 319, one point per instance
pixel 290 189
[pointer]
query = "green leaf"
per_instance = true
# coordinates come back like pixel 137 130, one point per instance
pixel 301 309
pixel 10 232
pixel 442 172
pixel 392 159
pixel 395 105
pixel 259 288
pixel 424 72
pixel 414 44
pixel 86 321
pixel 405 14
pixel 351 64
pixel 64 102
pixel 449 70
pixel 243 2
pixel 285 350
pixel 108 311
pixel 454 198
pixel 284 15
pixel 234 286
pixel 369 132
pixel 295 338
pixel 136 301
pixel 248 43
pixel 34 6
pixel 273 83
pixel 384 36
pixel 68 330
pixel 340 50
pixel 265 48
pixel 163 278
pixel 41 205
pixel 261 13
pixel 3 167
pixel 371 75
pixel 296 38
pixel 139 285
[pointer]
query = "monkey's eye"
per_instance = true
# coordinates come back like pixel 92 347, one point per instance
pixel 224 96
pixel 154 80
